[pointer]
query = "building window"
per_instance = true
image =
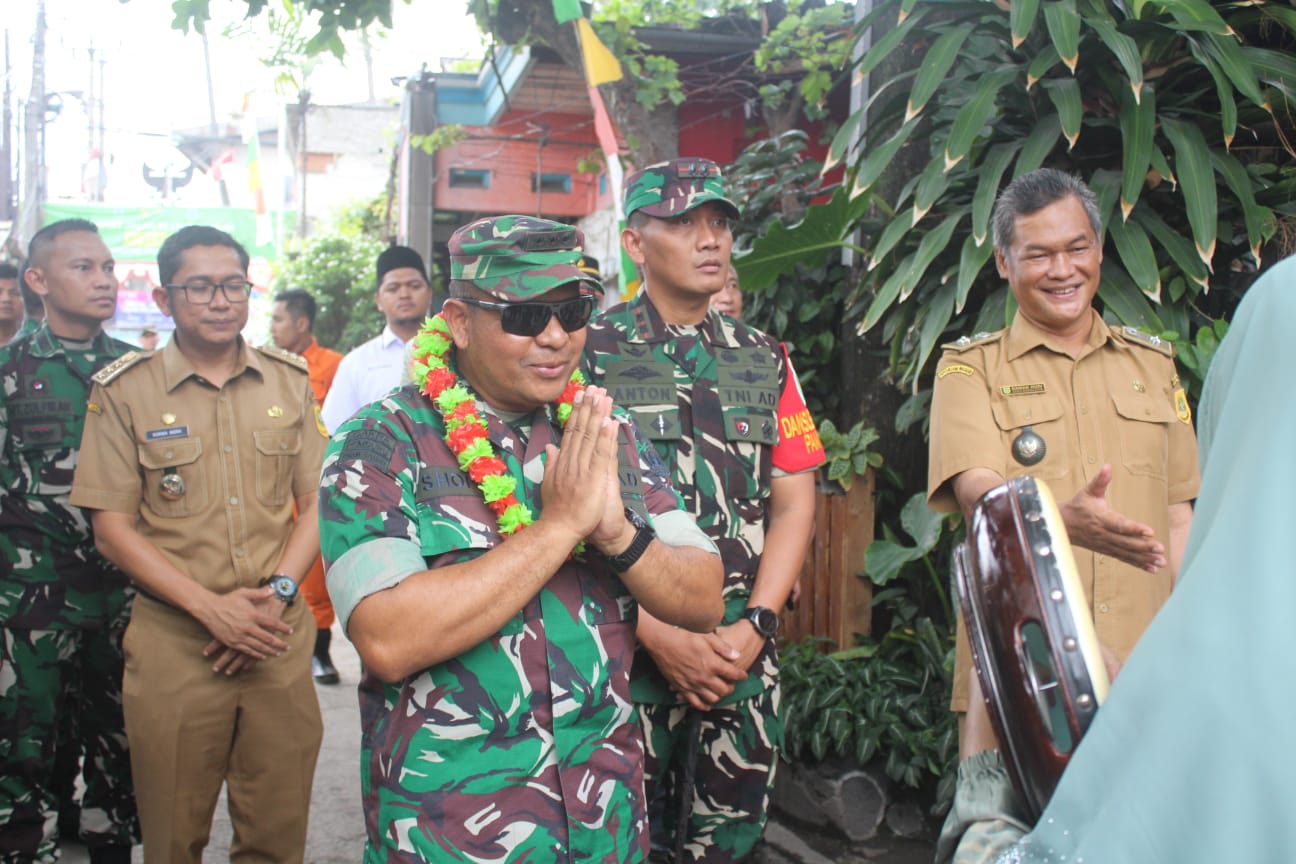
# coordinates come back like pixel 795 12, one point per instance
pixel 602 184
pixel 469 178
pixel 551 182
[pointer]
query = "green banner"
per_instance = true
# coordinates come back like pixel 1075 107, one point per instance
pixel 135 233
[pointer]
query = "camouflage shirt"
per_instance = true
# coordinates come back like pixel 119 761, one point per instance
pixel 51 576
pixel 710 397
pixel 523 748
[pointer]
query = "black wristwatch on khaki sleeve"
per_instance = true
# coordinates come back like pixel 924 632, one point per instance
pixel 284 587
pixel 644 535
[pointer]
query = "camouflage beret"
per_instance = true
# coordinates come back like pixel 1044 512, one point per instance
pixel 671 188
pixel 519 257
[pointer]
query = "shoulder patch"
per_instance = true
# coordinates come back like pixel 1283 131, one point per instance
pixel 284 356
pixel 118 366
pixel 963 343
pixel 1135 336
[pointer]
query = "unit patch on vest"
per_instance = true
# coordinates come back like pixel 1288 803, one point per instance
pixel 368 445
pixel 956 369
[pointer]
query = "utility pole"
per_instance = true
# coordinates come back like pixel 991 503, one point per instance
pixel 303 106
pixel 34 133
pixel 212 129
pixel 6 142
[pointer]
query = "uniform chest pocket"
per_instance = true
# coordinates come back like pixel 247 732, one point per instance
pixel 1042 412
pixel 1144 432
pixel 749 436
pixel 647 388
pixel 175 479
pixel 276 454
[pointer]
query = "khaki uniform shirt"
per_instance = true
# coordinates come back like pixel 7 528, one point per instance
pixel 244 452
pixel 1118 403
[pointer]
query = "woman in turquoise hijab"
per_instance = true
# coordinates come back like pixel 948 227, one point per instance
pixel 1189 760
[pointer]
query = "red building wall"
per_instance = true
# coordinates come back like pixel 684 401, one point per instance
pixel 510 153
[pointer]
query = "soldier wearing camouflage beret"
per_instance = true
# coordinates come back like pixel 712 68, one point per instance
pixel 722 406
pixel 491 531
pixel 62 606
pixel 193 459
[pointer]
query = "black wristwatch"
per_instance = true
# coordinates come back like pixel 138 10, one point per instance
pixel 766 621
pixel 284 587
pixel 644 535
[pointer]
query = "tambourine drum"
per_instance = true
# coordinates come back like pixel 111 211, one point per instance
pixel 1032 637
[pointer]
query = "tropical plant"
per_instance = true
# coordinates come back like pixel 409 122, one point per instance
pixel 1178 114
pixel 336 265
pixel 848 454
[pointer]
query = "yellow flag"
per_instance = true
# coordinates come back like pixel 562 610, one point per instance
pixel 601 65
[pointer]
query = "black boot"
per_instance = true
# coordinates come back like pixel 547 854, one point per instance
pixel 110 855
pixel 321 666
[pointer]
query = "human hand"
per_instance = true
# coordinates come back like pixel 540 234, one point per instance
pixel 230 662
pixel 246 619
pixel 701 667
pixel 1091 523
pixel 580 475
pixel 742 637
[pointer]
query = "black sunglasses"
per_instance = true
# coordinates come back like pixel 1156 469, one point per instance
pixel 531 319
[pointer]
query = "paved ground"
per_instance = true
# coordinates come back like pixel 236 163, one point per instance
pixel 336 833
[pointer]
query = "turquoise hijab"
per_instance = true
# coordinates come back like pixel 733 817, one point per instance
pixel 1191 758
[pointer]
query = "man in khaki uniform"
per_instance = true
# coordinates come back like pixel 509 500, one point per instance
pixel 193 457
pixel 1097 412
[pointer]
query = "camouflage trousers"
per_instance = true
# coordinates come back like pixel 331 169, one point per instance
pixel 45 677
pixel 737 749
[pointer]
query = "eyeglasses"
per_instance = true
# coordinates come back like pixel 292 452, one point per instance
pixel 531 319
pixel 201 292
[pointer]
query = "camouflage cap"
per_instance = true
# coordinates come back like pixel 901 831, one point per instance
pixel 675 187
pixel 519 257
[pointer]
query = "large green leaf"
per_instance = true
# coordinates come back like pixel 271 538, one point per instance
pixel 932 184
pixel 1226 51
pixel 936 64
pixel 935 316
pixel 972 258
pixel 1138 127
pixel 921 522
pixel 1197 15
pixel 933 243
pixel 818 235
pixel 1275 68
pixel 846 134
pixel 1021 18
pixel 1105 184
pixel 1125 300
pixel 880 157
pixel 1223 90
pixel 972 117
pixel 886 295
pixel 1197 181
pixel 1039 143
pixel 1065 93
pixel 990 173
pixel 891 235
pixel 1258 219
pixel 1045 59
pixel 1064 29
pixel 1135 250
pixel 1125 50
pixel 1180 247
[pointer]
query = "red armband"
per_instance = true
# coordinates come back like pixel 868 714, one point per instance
pixel 798 445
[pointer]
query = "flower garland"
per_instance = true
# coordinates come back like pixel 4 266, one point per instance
pixel 466 428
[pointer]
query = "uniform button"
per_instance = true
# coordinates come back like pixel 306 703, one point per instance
pixel 228 448
pixel 220 398
pixel 1092 460
pixel 1102 608
pixel 283 445
pixel 168 454
pixel 238 551
pixel 234 500
pixel 1084 409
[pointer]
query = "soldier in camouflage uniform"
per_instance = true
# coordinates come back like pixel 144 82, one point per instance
pixel 721 403
pixel 62 606
pixel 496 713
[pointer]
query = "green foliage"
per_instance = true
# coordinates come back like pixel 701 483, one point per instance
pixel 441 138
pixel 329 18
pixel 1151 104
pixel 336 265
pixel 799 301
pixel 848 454
pixel 1195 356
pixel 814 43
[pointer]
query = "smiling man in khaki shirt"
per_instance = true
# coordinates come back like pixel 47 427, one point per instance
pixel 1095 411
pixel 193 458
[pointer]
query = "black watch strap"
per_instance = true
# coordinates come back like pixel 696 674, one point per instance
pixel 644 535
pixel 284 587
pixel 766 621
